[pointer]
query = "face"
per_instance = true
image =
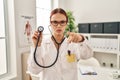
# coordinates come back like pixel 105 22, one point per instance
pixel 58 23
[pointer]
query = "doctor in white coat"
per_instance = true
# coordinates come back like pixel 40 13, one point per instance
pixel 70 50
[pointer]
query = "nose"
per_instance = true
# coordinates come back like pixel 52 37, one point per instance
pixel 58 25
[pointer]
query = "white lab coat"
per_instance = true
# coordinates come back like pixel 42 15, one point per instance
pixel 62 70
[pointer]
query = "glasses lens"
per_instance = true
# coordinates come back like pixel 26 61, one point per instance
pixel 62 23
pixel 54 23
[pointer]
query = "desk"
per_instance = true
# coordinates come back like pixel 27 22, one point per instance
pixel 102 74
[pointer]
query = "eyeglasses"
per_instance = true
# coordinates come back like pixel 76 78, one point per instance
pixel 55 23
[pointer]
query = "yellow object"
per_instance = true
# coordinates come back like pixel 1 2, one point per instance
pixel 70 58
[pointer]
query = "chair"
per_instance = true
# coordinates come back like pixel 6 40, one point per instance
pixel 26 75
pixel 89 62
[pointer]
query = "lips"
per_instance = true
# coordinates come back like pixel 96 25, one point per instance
pixel 59 30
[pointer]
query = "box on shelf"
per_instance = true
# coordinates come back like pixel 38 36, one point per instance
pixel 119 27
pixel 84 28
pixel 96 28
pixel 111 27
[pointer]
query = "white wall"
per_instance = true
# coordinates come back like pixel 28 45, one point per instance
pixel 55 3
pixel 22 8
pixel 93 10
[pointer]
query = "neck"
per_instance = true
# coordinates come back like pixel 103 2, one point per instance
pixel 58 38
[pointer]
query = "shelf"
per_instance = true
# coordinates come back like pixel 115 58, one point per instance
pixel 106 47
pixel 111 52
pixel 99 34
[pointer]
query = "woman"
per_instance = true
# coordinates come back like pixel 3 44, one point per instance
pixel 70 50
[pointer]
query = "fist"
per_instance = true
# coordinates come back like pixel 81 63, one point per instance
pixel 35 38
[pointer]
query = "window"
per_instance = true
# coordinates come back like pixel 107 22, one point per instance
pixel 43 9
pixel 3 40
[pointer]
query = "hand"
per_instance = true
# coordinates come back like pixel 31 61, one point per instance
pixel 35 38
pixel 75 37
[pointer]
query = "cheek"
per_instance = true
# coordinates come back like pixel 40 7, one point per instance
pixel 53 28
pixel 64 28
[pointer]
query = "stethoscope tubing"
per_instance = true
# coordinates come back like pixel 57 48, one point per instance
pixel 48 66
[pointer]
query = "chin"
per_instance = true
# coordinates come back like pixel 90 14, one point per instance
pixel 59 33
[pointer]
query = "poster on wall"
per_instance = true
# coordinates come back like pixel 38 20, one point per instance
pixel 25 29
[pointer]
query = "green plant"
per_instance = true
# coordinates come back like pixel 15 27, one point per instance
pixel 71 23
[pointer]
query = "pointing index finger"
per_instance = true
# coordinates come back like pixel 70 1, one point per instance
pixel 70 33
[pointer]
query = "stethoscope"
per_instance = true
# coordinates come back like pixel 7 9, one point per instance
pixel 40 30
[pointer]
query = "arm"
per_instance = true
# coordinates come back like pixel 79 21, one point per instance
pixel 85 49
pixel 32 66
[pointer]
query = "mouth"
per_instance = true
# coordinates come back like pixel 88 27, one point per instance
pixel 59 30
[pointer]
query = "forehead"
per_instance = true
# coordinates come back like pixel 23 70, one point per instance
pixel 58 17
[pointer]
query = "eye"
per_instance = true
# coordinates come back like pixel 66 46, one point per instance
pixel 55 22
pixel 62 22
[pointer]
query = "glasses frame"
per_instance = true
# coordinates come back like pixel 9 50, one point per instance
pixel 55 23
